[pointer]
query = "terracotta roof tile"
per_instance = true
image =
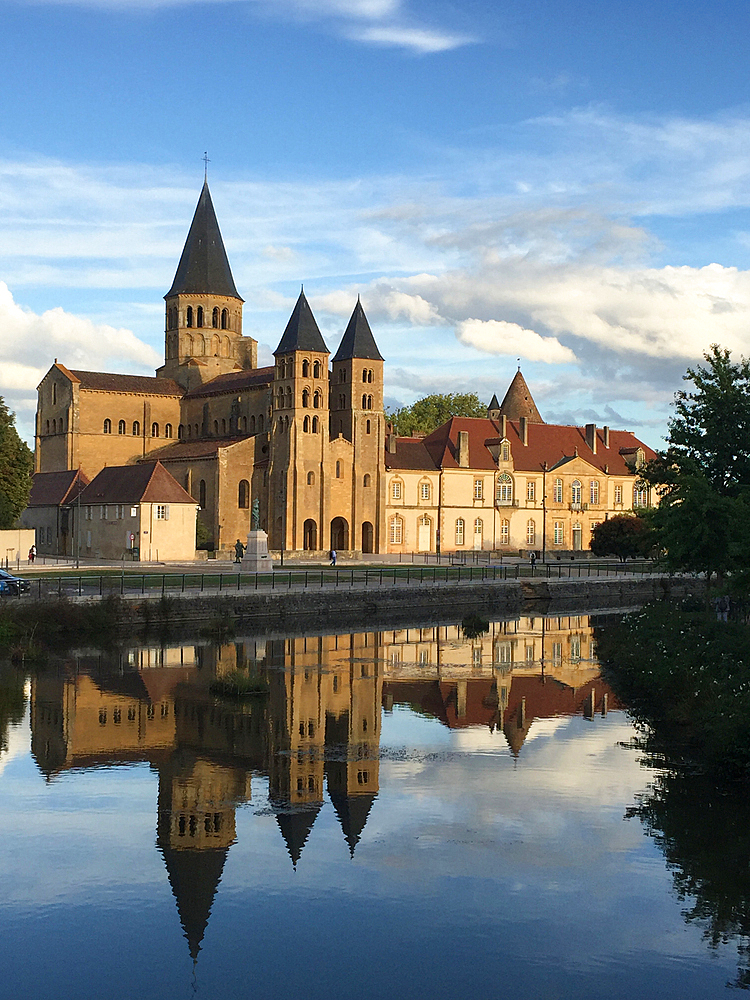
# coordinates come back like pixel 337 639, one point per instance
pixel 550 443
pixel 251 378
pixel 143 384
pixel 148 482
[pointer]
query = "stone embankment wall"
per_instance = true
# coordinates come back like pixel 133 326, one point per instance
pixel 415 604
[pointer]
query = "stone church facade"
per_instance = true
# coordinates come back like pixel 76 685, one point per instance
pixel 307 437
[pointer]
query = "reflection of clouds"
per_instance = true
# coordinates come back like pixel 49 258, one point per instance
pixel 19 738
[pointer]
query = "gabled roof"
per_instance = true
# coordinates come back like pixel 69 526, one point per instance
pixel 195 448
pixel 53 489
pixel 518 401
pixel 546 443
pixel 358 341
pixel 301 333
pixel 250 378
pixel 204 266
pixel 143 384
pixel 148 482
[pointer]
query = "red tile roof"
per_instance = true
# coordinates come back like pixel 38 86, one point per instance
pixel 148 482
pixel 51 489
pixel 142 384
pixel 251 378
pixel 548 443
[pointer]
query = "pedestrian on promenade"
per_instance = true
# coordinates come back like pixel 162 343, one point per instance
pixel 32 553
pixel 239 551
pixel 332 554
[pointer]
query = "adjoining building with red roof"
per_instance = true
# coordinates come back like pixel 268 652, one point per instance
pixel 307 438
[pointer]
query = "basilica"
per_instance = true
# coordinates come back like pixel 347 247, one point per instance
pixel 308 438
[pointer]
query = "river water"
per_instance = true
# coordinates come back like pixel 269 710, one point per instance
pixel 407 814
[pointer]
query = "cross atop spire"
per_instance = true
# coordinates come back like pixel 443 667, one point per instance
pixel 206 162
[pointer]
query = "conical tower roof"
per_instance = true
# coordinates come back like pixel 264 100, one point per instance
pixel 352 811
pixel 494 404
pixel 295 826
pixel 358 341
pixel 204 267
pixel 302 333
pixel 518 401
pixel 194 876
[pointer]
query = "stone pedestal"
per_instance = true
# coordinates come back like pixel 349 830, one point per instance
pixel 256 558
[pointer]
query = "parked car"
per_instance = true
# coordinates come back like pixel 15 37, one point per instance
pixel 12 586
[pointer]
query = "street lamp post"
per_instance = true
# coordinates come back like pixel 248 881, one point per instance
pixel 544 512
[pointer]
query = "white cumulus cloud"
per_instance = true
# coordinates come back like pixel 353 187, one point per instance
pixel 499 337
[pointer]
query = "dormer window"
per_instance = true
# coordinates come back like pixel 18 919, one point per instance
pixel 505 451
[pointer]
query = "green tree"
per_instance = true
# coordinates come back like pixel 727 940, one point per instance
pixel 16 467
pixel 703 477
pixel 430 412
pixel 624 535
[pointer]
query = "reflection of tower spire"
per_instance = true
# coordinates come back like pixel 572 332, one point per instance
pixel 194 876
pixel 352 811
pixel 295 826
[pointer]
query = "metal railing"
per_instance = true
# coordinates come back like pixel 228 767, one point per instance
pixel 156 585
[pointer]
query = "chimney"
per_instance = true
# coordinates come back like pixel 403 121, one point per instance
pixel 463 449
pixel 503 426
pixel 591 437
pixel 391 443
pixel 605 435
pixel 523 426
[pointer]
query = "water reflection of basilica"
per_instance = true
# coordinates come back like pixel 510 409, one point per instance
pixel 318 730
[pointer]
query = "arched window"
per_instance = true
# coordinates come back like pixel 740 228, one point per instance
pixel 504 489
pixel 190 430
pixel 215 317
pixel 200 345
pixel 223 425
pixel 197 431
pixel 342 375
pixel 227 348
pixel 575 492
pixel 367 480
pixel 318 399
pixel 310 478
pixel 244 425
pixel 243 494
pixel 289 397
pixel 107 426
pixel 216 428
pixel 154 430
pixel 557 491
pixel 364 374
pixel 478 532
pixel 316 369
pixel 306 425
pixel 342 402
pixel 261 423
pixel 594 491
pixel 531 532
pixel 216 345
pixel 280 425
pixel 202 493
pixel 252 424
pixel 189 316
pixel 369 402
pixel 364 402
pixel 121 427
pixel 167 430
pixel 460 531
pixel 200 316
pixel 396 530
pixel 188 345
pixel 368 426
pixel 136 429
pixel 225 319
pixel 315 424
pixel 54 427
pixel 282 368
pixel 338 470
pixel 280 399
pixel 305 368
pixel 180 431
pixel 48 426
pixel 305 397
pixel 54 392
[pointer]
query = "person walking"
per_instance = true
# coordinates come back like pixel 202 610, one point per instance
pixel 32 553
pixel 333 557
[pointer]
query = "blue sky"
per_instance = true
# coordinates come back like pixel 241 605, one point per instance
pixel 566 183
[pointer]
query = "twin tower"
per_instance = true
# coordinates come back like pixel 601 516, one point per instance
pixel 317 423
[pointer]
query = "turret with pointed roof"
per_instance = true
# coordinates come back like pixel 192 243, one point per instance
pixel 518 401
pixel 203 326
pixel 358 341
pixel 301 333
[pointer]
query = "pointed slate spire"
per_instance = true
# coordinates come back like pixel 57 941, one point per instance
pixel 302 333
pixel 194 876
pixel 494 405
pixel 358 341
pixel 295 826
pixel 518 401
pixel 352 811
pixel 204 266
